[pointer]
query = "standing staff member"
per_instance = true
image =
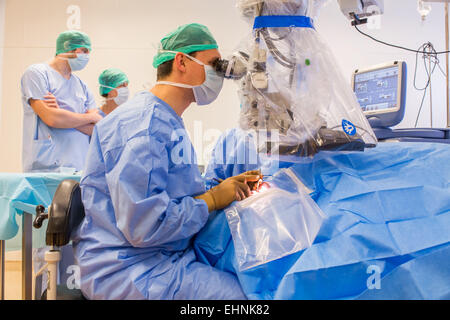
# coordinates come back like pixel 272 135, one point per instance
pixel 143 193
pixel 59 109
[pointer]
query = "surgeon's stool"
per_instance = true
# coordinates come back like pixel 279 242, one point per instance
pixel 64 215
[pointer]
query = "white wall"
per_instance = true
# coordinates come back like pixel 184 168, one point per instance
pixel 125 32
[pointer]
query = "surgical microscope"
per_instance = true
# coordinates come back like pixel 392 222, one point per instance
pixel 292 95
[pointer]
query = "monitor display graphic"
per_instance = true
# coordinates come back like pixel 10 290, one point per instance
pixel 377 90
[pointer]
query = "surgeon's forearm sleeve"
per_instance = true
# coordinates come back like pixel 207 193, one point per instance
pixel 145 212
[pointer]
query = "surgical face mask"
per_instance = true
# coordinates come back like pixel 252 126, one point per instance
pixel 80 62
pixel 208 91
pixel 123 93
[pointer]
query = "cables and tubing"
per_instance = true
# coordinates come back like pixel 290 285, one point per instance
pixel 395 46
pixel 430 54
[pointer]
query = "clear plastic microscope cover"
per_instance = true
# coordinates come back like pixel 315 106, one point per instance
pixel 274 223
pixel 293 88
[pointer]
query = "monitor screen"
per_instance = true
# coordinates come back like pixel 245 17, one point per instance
pixel 377 90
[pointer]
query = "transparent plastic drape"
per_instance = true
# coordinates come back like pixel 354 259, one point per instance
pixel 279 220
pixel 290 85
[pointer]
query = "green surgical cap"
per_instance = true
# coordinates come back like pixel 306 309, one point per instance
pixel 186 39
pixel 71 40
pixel 112 78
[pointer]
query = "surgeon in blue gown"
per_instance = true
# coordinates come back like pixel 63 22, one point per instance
pixel 143 193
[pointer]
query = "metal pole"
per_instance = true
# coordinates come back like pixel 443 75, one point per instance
pixel 447 63
pixel 2 269
pixel 27 247
pixel 431 94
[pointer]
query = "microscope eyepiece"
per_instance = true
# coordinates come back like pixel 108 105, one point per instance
pixel 221 67
pixel 234 68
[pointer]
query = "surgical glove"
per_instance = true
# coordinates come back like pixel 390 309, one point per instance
pixel 232 189
pixel 252 184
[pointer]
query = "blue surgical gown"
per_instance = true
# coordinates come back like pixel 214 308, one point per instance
pixel 138 187
pixel 47 149
pixel 236 152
